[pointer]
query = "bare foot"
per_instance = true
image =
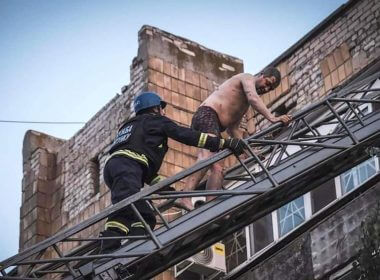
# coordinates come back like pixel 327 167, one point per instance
pixel 184 203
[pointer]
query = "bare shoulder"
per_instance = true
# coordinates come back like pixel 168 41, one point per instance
pixel 244 77
pixel 238 79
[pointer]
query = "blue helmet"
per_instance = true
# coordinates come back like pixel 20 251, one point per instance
pixel 147 100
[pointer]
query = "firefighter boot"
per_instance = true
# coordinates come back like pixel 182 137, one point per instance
pixel 108 245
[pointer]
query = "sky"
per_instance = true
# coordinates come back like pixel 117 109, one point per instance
pixel 63 60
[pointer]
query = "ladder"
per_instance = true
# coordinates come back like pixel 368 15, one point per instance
pixel 259 187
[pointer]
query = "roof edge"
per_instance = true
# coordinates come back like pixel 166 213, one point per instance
pixel 313 32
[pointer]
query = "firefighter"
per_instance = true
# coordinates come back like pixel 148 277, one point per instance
pixel 135 158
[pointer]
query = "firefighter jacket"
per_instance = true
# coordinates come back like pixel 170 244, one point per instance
pixel 144 138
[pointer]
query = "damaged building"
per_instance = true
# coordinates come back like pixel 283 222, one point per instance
pixel 293 213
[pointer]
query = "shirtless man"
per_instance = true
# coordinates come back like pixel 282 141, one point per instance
pixel 224 110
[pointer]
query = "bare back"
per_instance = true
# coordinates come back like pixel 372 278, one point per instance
pixel 230 101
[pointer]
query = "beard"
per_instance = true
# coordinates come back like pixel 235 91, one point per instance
pixel 260 90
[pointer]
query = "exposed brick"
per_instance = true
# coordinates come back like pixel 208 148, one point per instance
pixel 167 68
pixel 341 73
pixel 338 57
pixel 176 114
pixel 265 98
pixel 324 68
pixel 182 101
pixel 169 111
pixel 183 117
pixel 283 68
pixel 196 105
pixel 181 74
pixel 156 78
pixel 167 82
pixel 175 99
pixel 167 96
pixel 210 86
pixel 348 67
pixel 203 94
pixel 322 91
pixel 192 77
pixel 156 64
pixel 285 85
pixel 181 87
pixel 160 91
pixel 334 78
pixel 328 83
pixel 185 149
pixel 174 71
pixel 174 86
pixel 203 81
pixel 276 93
pixel 193 91
pixel 189 104
pixel 174 144
pixel 331 63
pixel 170 156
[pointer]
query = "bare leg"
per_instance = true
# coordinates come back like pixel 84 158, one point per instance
pixel 215 180
pixel 192 181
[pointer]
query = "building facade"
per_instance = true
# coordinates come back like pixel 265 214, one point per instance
pixel 63 183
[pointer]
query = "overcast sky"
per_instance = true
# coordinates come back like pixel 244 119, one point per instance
pixel 63 60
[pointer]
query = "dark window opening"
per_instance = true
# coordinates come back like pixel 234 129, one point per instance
pixel 262 230
pixel 323 195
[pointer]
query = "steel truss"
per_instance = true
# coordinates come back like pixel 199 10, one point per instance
pixel 261 182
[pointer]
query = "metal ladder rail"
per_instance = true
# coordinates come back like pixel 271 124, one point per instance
pixel 157 184
pixel 222 207
pixel 350 134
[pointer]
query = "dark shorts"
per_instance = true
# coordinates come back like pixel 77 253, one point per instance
pixel 206 120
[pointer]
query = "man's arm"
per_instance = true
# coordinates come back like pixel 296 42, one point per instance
pixel 248 83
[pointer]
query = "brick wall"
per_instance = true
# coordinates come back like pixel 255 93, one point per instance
pixel 345 43
pixel 184 73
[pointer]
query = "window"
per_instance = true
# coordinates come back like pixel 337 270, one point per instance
pixel 291 215
pixel 280 222
pixel 357 175
pixel 236 249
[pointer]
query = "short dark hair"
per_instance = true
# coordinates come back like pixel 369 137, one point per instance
pixel 147 110
pixel 271 71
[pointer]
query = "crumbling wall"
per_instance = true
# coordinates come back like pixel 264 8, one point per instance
pixel 183 73
pixel 40 195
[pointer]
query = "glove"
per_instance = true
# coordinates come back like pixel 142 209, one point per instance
pixel 234 144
